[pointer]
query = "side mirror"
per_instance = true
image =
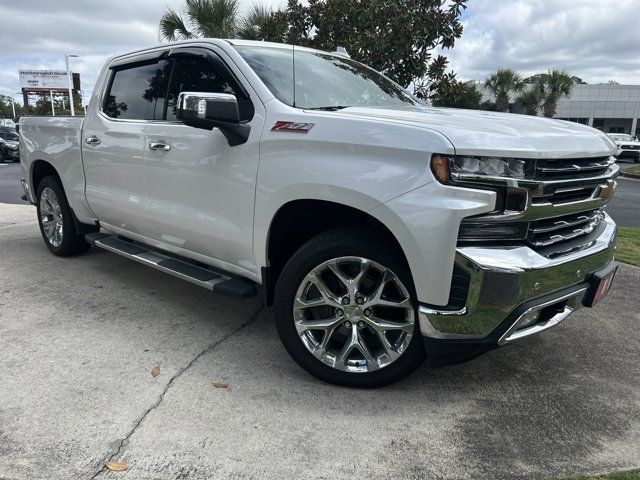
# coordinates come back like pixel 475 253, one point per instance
pixel 213 110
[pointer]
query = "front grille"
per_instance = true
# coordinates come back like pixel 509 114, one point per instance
pixel 572 168
pixel 543 233
pixel 630 147
pixel 556 209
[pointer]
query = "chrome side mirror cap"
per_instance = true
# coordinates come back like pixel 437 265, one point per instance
pixel 213 110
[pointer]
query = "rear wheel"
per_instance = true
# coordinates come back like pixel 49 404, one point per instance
pixel 56 220
pixel 346 311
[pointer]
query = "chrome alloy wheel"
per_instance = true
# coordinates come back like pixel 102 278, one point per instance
pixel 354 314
pixel 51 217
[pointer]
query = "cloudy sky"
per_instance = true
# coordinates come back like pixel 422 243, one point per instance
pixel 598 40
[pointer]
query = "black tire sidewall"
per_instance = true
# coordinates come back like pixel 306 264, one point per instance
pixel 72 243
pixel 333 244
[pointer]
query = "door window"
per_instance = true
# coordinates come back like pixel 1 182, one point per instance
pixel 199 74
pixel 135 91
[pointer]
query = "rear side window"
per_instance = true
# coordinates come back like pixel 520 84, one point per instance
pixel 134 92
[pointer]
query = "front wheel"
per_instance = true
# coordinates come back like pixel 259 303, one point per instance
pixel 345 309
pixel 56 220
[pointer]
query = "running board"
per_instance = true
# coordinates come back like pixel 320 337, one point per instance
pixel 224 284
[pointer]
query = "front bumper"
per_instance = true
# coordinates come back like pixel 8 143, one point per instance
pixel 509 285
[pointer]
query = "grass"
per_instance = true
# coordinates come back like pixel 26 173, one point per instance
pixel 631 475
pixel 635 170
pixel 628 250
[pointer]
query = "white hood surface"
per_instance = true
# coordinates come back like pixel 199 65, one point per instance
pixel 475 132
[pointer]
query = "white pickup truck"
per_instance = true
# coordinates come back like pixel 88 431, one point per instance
pixel 382 230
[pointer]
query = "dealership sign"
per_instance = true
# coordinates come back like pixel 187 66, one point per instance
pixel 43 79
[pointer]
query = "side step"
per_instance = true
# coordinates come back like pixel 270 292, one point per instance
pixel 222 283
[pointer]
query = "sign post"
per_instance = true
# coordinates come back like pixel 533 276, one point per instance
pixel 53 110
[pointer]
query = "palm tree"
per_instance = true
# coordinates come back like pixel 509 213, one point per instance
pixel 251 22
pixel 501 83
pixel 531 98
pixel 557 84
pixel 213 18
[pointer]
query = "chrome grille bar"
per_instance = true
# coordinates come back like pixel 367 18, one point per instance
pixel 545 233
pixel 575 166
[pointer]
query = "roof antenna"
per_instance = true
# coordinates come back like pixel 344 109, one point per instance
pixel 294 75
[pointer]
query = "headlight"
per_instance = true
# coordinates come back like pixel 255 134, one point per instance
pixel 448 168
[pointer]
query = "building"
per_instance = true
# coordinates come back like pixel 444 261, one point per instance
pixel 610 108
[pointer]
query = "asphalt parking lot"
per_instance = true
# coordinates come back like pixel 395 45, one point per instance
pixel 79 338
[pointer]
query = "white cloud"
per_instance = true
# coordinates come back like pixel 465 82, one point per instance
pixel 598 40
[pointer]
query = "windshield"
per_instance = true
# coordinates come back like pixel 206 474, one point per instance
pixel 621 137
pixel 322 80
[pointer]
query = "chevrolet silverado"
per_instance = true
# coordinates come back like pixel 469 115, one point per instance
pixel 381 229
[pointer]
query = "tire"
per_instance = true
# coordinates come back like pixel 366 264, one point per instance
pixel 350 248
pixel 55 219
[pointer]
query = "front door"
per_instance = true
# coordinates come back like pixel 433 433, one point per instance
pixel 201 190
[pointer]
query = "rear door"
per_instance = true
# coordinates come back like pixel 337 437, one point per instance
pixel 114 141
pixel 201 190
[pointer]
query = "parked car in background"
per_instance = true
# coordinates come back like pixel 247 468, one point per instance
pixel 628 146
pixel 8 123
pixel 382 230
pixel 9 145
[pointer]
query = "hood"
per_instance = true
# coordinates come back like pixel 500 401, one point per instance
pixel 475 132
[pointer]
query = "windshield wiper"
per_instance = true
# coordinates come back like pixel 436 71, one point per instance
pixel 330 108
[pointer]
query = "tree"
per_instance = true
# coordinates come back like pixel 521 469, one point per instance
pixel 251 23
pixel 396 37
pixel 213 18
pixel 532 96
pixel 42 105
pixel 501 84
pixel 557 84
pixel 456 94
pixel 6 110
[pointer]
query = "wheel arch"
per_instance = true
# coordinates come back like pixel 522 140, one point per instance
pixel 308 217
pixel 39 170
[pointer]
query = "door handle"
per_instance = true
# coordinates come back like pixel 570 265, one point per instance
pixel 159 146
pixel 92 140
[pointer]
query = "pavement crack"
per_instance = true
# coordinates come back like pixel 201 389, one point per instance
pixel 208 349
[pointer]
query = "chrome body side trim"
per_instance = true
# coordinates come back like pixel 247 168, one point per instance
pixel 503 278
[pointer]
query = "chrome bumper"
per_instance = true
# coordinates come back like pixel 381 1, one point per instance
pixel 502 279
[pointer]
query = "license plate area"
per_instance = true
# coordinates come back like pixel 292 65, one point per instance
pixel 600 284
